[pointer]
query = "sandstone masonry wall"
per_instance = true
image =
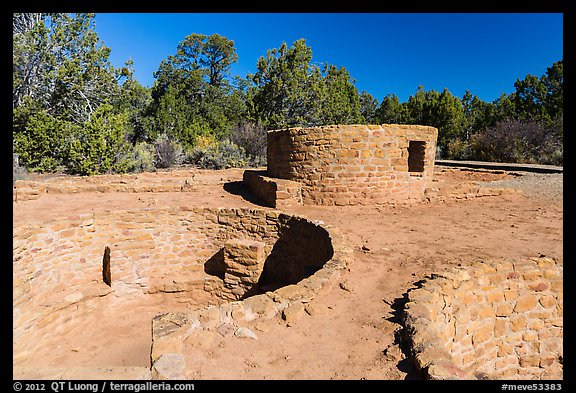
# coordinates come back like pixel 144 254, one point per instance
pixel 499 320
pixel 277 193
pixel 194 254
pixel 354 164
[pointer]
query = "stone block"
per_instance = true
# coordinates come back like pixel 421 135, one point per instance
pixel 504 310
pixel 483 333
pixel 510 294
pixel 507 360
pixel 432 355
pixel 294 292
pixel 505 349
pixel 517 322
pixel 529 361
pixel 260 305
pixel 243 332
pixel 293 312
pixel 531 275
pixel 525 303
pixel 495 296
pixel 170 366
pixel 500 327
pixel 547 301
pixel 205 340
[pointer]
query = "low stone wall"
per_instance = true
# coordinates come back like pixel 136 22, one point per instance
pixel 354 164
pixel 173 181
pixel 277 193
pixel 207 256
pixel 493 320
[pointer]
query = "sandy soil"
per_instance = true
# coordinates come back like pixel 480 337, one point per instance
pixel 352 330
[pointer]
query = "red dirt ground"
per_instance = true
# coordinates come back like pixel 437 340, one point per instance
pixel 351 332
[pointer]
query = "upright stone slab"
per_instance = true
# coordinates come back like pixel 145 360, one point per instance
pixel 244 260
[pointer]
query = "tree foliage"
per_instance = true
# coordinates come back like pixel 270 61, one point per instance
pixel 289 90
pixel 192 94
pixel 73 111
pixel 285 88
pixel 61 64
pixel 98 145
pixel 67 110
pixel 368 108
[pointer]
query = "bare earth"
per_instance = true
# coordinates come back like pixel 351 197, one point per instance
pixel 351 332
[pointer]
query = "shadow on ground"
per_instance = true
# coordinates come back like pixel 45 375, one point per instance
pixel 238 188
pixel 405 365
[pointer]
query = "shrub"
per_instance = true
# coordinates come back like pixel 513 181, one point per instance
pixel 205 141
pixel 98 145
pixel 18 172
pixel 521 141
pixel 167 152
pixel 221 155
pixel 140 158
pixel 459 150
pixel 39 139
pixel 252 138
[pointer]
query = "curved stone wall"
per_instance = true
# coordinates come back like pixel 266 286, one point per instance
pixel 205 256
pixel 354 164
pixel 498 320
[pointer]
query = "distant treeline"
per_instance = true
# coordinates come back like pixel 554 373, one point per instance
pixel 74 112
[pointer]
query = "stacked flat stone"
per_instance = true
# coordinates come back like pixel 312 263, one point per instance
pixel 491 320
pixel 204 256
pixel 353 164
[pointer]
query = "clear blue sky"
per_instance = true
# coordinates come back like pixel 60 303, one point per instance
pixel 384 52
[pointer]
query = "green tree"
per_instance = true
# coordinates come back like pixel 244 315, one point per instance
pixel 478 114
pixel 288 90
pixel 61 63
pixel 391 111
pixel 421 107
pixel 340 101
pixel 61 78
pixel 368 108
pixel 441 110
pixel 39 139
pixel 32 58
pixel 219 55
pixel 529 98
pixel 99 146
pixel 504 108
pixel 540 98
pixel 285 87
pixel 449 118
pixel 173 117
pixel 192 94
pixel 554 84
pixel 133 99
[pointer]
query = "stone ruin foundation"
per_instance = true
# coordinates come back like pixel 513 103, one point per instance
pixel 230 265
pixel 345 165
pixel 492 320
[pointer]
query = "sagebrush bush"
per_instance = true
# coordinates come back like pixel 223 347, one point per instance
pixel 520 141
pixel 252 138
pixel 167 152
pixel 220 155
pixel 459 150
pixel 140 158
pixel 18 172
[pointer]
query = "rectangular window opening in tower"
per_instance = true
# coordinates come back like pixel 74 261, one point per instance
pixel 416 153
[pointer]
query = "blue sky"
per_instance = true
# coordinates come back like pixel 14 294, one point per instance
pixel 384 52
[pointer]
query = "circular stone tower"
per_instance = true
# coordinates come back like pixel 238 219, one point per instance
pixel 348 164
